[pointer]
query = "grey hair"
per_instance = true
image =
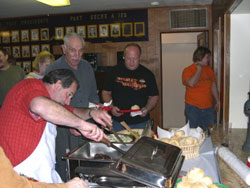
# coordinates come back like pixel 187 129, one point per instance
pixel 69 35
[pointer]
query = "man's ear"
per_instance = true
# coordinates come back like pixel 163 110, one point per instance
pixel 58 84
pixel 63 48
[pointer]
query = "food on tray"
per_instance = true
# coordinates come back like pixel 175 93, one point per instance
pixel 125 138
pixel 174 142
pixel 166 140
pixel 135 107
pixel 101 156
pixel 196 178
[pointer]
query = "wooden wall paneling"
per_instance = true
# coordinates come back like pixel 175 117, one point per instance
pixel 226 68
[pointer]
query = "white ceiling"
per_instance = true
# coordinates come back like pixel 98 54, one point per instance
pixel 20 8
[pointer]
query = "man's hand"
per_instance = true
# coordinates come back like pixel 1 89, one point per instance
pixel 144 111
pixel 76 183
pixel 115 111
pixel 91 131
pixel 102 117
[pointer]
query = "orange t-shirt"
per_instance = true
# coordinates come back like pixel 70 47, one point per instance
pixel 201 94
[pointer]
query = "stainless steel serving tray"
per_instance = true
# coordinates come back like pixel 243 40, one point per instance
pixel 151 163
pixel 89 150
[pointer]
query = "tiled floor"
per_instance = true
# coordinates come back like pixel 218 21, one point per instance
pixel 236 138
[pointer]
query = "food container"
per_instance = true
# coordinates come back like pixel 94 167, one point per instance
pixel 151 163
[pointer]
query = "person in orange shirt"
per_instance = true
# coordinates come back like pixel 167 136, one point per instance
pixel 201 91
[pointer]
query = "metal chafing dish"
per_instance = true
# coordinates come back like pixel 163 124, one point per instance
pixel 151 163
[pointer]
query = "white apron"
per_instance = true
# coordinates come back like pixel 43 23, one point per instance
pixel 40 165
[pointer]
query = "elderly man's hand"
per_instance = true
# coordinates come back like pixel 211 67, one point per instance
pixel 102 117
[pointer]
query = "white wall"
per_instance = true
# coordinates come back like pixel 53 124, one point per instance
pixel 239 69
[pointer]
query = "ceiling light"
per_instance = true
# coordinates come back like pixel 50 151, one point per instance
pixel 154 3
pixel 55 3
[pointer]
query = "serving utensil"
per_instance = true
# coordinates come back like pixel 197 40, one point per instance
pixel 124 124
pixel 110 144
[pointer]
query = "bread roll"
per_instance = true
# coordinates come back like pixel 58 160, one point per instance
pixel 195 174
pixel 179 133
pixel 184 184
pixel 166 140
pixel 135 107
pixel 206 180
pixel 174 142
pixel 199 185
pixel 189 140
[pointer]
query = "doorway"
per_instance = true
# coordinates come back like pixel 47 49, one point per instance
pixel 177 52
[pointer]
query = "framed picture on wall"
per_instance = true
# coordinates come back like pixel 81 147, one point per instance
pixel 35 49
pixel 59 33
pixel 44 32
pixel 34 34
pixel 5 36
pixel 26 51
pixel 127 29
pixel 16 51
pixel 115 30
pixel 81 30
pixel 8 49
pixel 25 35
pixel 15 36
pixel 92 31
pixel 70 29
pixel 103 30
pixel 139 28
pixel 27 66
pixel 45 47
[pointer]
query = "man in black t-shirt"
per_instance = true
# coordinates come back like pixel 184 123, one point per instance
pixel 130 84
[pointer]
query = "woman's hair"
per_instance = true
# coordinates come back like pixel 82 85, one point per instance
pixel 200 53
pixel 40 58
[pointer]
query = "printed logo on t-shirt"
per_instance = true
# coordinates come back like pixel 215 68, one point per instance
pixel 132 82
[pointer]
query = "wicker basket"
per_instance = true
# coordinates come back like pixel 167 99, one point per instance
pixel 193 151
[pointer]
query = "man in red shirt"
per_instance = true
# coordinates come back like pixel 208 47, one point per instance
pixel 201 91
pixel 27 118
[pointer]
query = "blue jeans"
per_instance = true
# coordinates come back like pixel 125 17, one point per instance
pixel 200 117
pixel 118 127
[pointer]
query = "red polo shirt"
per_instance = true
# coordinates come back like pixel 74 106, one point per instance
pixel 20 132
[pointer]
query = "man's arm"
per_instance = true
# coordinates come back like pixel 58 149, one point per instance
pixel 54 112
pixel 152 101
pixel 216 96
pixel 106 96
pixel 191 82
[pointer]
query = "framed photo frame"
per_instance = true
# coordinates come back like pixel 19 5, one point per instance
pixel 139 28
pixel 45 47
pixel 27 66
pixel 35 49
pixel 15 36
pixel 103 30
pixel 25 35
pixel 5 36
pixel 81 30
pixel 16 51
pixel 69 29
pixel 34 34
pixel 92 31
pixel 26 51
pixel 8 49
pixel 44 32
pixel 115 30
pixel 59 33
pixel 127 29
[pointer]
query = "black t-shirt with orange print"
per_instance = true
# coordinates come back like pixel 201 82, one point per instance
pixel 130 88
